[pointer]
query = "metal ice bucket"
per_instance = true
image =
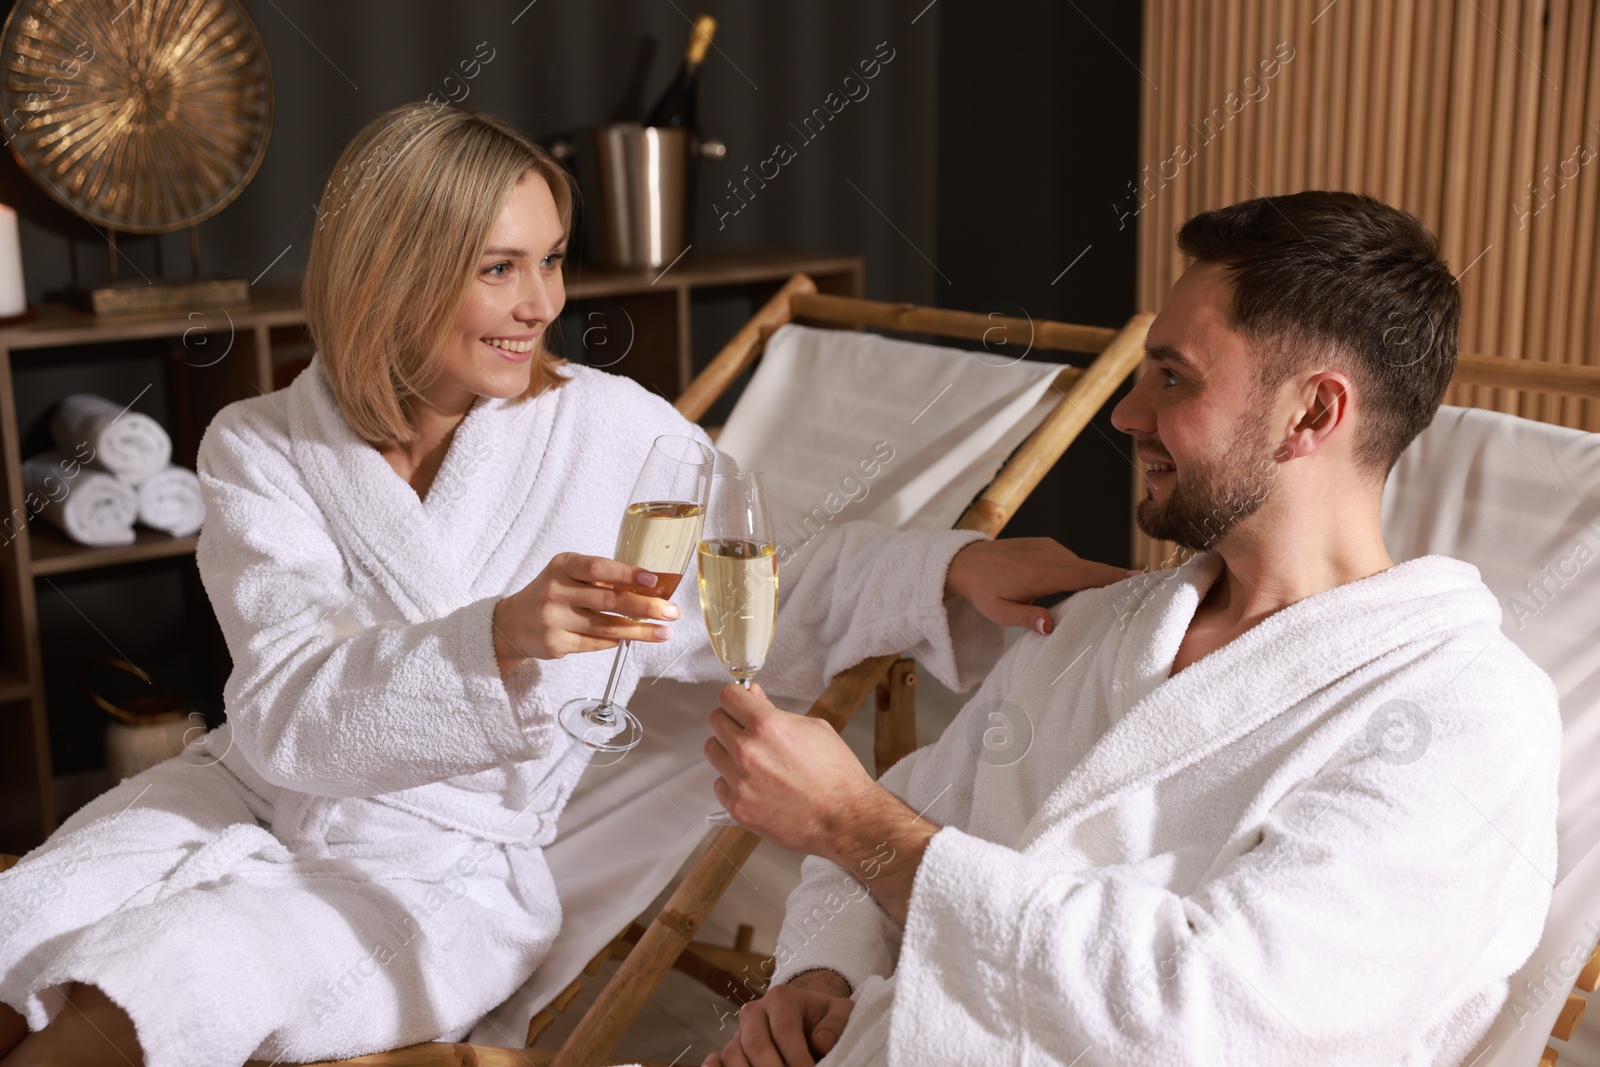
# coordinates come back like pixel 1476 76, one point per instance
pixel 635 185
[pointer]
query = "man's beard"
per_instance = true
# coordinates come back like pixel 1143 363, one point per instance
pixel 1210 499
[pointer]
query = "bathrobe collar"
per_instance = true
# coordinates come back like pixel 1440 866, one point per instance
pixel 1164 724
pixel 425 554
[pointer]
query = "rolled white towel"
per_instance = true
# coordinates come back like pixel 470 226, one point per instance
pixel 126 443
pixel 90 506
pixel 169 500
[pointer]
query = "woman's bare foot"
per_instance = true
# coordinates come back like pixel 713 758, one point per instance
pixel 90 1031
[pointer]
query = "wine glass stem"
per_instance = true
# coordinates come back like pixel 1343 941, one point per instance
pixel 744 683
pixel 616 673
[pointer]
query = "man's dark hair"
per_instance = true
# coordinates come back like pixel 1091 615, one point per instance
pixel 1318 273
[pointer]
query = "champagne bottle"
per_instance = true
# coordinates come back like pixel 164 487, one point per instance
pixel 676 106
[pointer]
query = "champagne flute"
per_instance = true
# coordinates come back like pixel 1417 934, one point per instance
pixel 737 562
pixel 659 531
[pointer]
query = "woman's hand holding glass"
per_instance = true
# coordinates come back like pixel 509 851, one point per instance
pixel 578 603
pixel 586 603
pixel 660 527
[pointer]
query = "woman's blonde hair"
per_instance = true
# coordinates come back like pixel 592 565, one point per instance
pixel 402 225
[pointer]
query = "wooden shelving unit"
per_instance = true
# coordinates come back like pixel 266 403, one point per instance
pixel 213 357
pixel 52 554
pixel 208 358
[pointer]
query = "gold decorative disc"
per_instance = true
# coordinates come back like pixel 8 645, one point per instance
pixel 142 115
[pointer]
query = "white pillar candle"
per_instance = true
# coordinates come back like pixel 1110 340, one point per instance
pixel 13 297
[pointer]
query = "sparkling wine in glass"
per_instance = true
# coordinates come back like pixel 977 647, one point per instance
pixel 737 563
pixel 660 529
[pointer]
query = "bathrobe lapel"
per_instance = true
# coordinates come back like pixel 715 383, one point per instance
pixel 424 554
pixel 1171 723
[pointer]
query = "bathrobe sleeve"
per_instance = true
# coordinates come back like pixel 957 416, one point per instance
pixel 1327 931
pixel 868 591
pixel 318 700
pixel 830 920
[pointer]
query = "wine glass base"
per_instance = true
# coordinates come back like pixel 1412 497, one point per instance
pixel 721 818
pixel 601 727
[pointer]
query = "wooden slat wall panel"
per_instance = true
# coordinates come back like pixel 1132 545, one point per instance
pixel 1551 117
pixel 1252 17
pixel 1531 105
pixel 1471 156
pixel 1475 117
pixel 1583 338
pixel 1381 36
pixel 1568 213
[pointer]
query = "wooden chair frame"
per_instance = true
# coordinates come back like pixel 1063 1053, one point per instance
pixel 1526 375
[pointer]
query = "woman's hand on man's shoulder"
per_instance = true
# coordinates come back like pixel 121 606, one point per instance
pixel 1003 578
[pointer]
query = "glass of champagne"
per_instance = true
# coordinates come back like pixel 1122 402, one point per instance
pixel 737 562
pixel 660 529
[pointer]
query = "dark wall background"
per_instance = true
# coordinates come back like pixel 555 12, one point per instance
pixel 981 167
pixel 1037 137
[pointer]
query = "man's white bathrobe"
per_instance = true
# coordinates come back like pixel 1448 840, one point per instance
pixel 355 862
pixel 1329 842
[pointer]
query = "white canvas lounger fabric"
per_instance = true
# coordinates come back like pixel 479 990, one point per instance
pixel 1520 500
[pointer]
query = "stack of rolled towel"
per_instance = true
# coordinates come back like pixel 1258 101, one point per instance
pixel 110 467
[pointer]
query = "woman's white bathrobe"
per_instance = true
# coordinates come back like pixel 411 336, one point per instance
pixel 1329 842
pixel 244 899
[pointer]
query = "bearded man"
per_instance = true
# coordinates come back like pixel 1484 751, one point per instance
pixel 1287 802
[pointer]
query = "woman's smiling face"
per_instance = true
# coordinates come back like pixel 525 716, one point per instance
pixel 517 293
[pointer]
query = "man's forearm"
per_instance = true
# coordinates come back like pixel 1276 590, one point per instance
pixel 858 845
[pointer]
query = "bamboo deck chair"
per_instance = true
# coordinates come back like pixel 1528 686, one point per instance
pixel 650 952
pixel 647 953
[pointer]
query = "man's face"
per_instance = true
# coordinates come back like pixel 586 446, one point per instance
pixel 1201 425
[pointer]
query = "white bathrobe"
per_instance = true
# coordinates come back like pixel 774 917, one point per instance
pixel 1329 842
pixel 354 862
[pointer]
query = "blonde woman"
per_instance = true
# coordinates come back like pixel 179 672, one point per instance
pixel 406 550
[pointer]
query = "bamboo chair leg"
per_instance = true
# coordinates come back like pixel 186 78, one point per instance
pixel 736 973
pixel 668 934
pixel 895 730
